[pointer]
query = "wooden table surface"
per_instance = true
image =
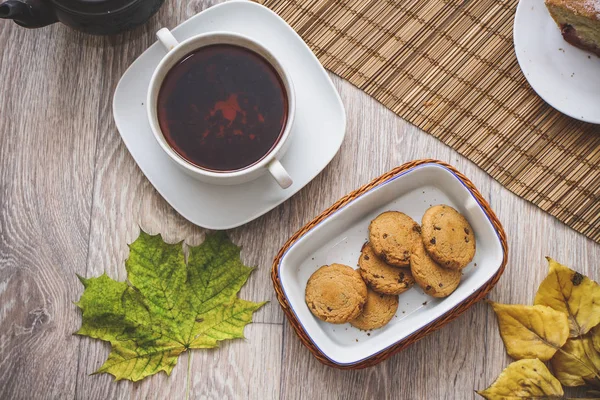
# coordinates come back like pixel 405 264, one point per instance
pixel 72 198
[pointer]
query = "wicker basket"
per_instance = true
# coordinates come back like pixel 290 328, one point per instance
pixel 438 323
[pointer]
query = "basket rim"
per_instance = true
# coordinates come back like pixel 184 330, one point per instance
pixel 345 201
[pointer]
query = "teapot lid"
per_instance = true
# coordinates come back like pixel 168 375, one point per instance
pixel 93 6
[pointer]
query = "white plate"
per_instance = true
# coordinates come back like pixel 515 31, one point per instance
pixel 318 131
pixel 564 76
pixel 340 237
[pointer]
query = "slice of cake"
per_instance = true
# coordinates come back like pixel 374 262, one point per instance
pixel 579 22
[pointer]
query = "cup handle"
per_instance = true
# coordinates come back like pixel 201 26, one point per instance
pixel 167 39
pixel 280 174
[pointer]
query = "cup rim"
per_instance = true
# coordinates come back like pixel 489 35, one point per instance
pixel 151 104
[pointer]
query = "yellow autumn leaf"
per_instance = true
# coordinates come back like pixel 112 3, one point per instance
pixel 578 362
pixel 524 379
pixel 596 338
pixel 570 292
pixel 531 331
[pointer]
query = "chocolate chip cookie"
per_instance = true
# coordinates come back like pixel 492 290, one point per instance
pixel 378 311
pixel 381 277
pixel 336 293
pixel 436 281
pixel 448 237
pixel 392 235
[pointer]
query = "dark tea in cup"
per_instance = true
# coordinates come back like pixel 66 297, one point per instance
pixel 222 107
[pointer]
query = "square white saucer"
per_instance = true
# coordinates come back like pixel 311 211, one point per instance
pixel 317 134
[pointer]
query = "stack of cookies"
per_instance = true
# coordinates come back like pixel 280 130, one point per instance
pixel 435 252
pixel 447 246
pixel 337 294
pixel 398 254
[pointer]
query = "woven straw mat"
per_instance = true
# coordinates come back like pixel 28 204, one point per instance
pixel 449 68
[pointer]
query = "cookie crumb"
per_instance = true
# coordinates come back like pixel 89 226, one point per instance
pixel 356 340
pixel 425 303
pixel 368 334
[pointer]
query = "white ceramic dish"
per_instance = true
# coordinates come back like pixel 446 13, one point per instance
pixel 318 131
pixel 564 76
pixel 339 238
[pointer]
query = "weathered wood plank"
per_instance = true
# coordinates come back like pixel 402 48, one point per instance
pixel 48 131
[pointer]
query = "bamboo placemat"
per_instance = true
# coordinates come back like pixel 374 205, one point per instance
pixel 449 68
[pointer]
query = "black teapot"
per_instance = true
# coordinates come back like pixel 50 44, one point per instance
pixel 98 17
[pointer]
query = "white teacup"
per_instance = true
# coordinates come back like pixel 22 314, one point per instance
pixel 175 52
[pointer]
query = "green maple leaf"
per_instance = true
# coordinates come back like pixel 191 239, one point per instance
pixel 167 305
